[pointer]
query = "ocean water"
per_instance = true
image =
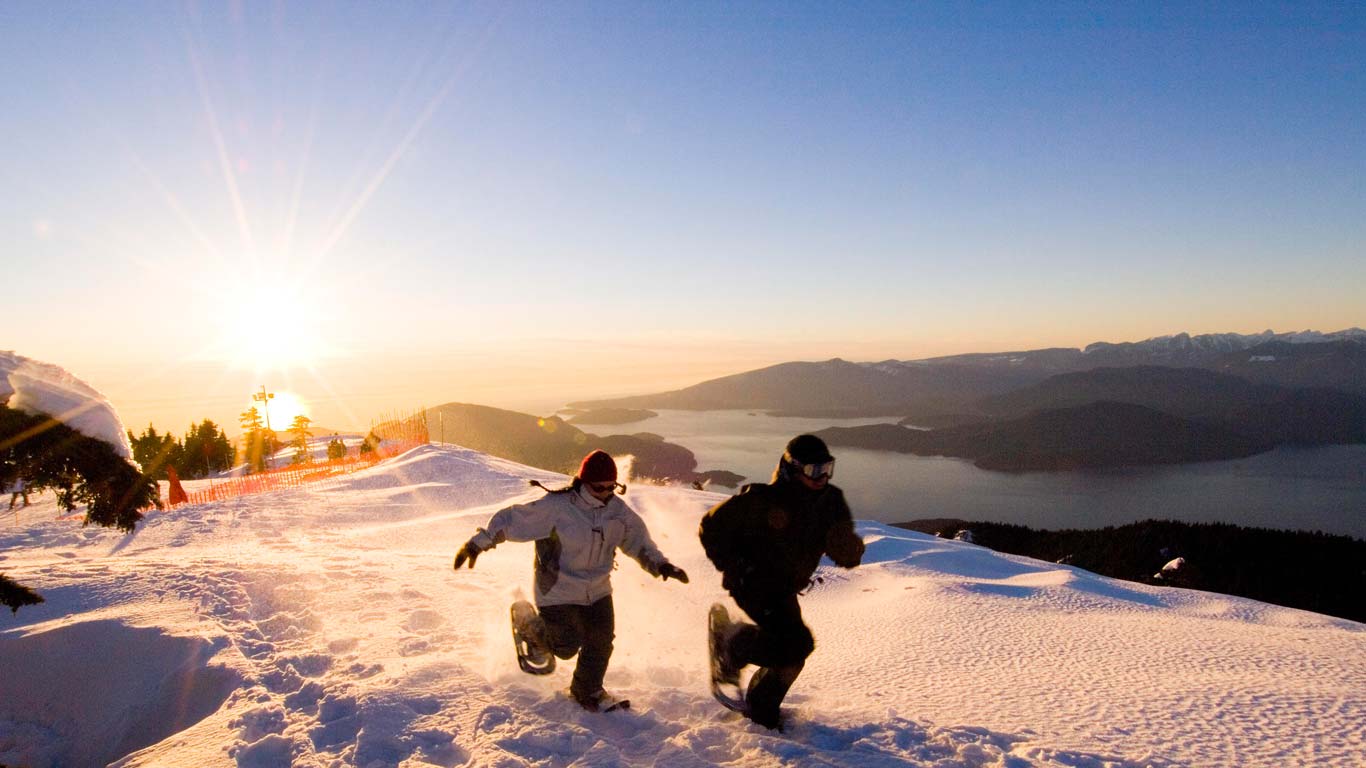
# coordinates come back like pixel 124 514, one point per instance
pixel 1320 489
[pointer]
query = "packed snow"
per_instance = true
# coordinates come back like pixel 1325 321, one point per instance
pixel 42 388
pixel 324 626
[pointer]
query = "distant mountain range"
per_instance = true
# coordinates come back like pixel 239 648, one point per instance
pixel 1164 400
pixel 941 386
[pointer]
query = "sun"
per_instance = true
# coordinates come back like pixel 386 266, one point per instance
pixel 282 408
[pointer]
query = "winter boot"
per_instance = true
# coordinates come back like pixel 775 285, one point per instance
pixel 727 665
pixel 531 640
pixel 599 701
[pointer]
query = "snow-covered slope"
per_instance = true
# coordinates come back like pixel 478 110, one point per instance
pixel 325 627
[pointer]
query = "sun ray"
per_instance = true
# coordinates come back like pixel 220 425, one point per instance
pixel 354 420
pixel 402 147
pixel 215 130
pixel 296 194
pixel 372 146
pixel 174 204
pixel 99 118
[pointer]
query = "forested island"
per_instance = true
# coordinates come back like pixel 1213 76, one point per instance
pixel 1086 437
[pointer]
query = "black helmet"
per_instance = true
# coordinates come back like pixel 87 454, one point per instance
pixel 807 449
pixel 806 455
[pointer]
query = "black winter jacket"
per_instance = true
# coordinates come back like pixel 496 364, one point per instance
pixel 768 539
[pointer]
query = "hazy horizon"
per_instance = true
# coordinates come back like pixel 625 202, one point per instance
pixel 351 394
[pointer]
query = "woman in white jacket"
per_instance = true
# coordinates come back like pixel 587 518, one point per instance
pixel 577 531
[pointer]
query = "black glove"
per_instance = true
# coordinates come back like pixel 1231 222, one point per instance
pixel 468 552
pixel 670 571
pixel 844 547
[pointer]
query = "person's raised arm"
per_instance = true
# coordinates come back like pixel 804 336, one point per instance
pixel 640 547
pixel 721 530
pixel 519 522
pixel 842 542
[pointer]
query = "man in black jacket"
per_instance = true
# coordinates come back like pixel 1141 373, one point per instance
pixel 767 542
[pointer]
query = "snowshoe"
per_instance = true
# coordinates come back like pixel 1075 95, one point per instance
pixel 602 701
pixel 528 637
pixel 725 676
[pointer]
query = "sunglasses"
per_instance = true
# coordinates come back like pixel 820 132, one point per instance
pixel 825 469
pixel 602 487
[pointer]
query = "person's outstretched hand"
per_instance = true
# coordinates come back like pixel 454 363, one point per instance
pixel 468 552
pixel 670 571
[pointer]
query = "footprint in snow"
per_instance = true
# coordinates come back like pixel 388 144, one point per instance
pixel 343 645
pixel 414 646
pixel 423 621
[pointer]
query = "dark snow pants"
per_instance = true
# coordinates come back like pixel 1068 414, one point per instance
pixel 586 630
pixel 778 642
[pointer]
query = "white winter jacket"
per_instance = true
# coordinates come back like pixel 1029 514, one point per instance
pixel 577 538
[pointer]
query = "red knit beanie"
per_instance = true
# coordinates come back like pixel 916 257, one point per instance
pixel 598 467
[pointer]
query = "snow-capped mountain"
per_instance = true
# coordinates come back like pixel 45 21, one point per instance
pixel 1220 343
pixel 946 385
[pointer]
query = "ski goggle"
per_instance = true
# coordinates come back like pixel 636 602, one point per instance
pixel 825 469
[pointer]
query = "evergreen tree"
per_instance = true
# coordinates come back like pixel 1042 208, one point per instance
pixel 258 441
pixel 206 450
pixel 250 420
pixel 48 454
pixel 336 449
pixel 154 452
pixel 299 429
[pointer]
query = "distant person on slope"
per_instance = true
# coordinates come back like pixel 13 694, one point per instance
pixel 17 490
pixel 577 531
pixel 767 541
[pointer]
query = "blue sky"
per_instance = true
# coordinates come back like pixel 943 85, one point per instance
pixel 583 198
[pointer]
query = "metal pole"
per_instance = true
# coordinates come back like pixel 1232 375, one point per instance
pixel 264 398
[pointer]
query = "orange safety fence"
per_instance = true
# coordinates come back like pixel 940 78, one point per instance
pixel 394 435
pixel 411 428
pixel 295 475
pixel 273 480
